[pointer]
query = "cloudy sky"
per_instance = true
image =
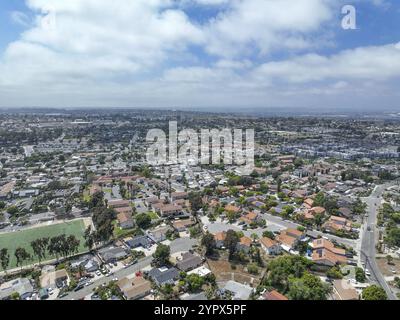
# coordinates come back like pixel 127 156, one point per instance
pixel 199 53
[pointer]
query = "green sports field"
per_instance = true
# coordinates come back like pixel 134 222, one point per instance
pixel 23 238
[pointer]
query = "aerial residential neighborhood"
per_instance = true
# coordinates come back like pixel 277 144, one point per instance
pixel 95 221
pixel 199 158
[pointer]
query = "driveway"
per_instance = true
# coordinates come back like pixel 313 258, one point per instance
pixel 274 224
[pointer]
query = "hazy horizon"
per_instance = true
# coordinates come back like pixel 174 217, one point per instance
pixel 225 54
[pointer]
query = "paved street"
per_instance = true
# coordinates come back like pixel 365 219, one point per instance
pixel 274 223
pixel 178 245
pixel 369 239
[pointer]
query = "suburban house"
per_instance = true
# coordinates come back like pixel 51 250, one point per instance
pixel 325 253
pixel 6 189
pixel 336 223
pixel 189 261
pixel 289 238
pixel 139 241
pixel 168 210
pixel 22 286
pixel 125 220
pixel 52 278
pixel 112 254
pixel 150 201
pixel 326 244
pixel 88 262
pixel 114 204
pixel 310 213
pixel 238 291
pixel 317 210
pixel 232 208
pixel 327 258
pixel 162 276
pixel 244 244
pixel 134 289
pixel 270 246
pixel 124 210
pixel 183 225
pixel 308 203
pixel 178 196
pixel 220 239
pixel 273 296
pixel 250 218
pixel 345 212
pixel 158 234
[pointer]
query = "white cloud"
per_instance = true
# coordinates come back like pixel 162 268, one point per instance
pixel 377 63
pixel 143 53
pixel 90 38
pixel 266 25
pixel 20 18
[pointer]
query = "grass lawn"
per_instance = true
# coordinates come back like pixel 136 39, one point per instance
pixel 23 238
pixel 86 196
pixel 153 215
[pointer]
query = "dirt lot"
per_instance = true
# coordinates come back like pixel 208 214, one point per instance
pixel 224 272
pixel 386 269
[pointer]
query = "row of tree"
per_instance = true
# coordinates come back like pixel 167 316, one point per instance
pixel 58 246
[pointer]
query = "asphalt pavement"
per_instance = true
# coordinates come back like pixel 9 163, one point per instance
pixel 369 239
pixel 178 245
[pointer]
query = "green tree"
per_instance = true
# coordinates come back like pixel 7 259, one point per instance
pixel 15 296
pixel 103 218
pixel 393 237
pixel 374 293
pixel 308 287
pixel 231 241
pixel 269 234
pixel 97 200
pixel 39 249
pixel 209 243
pixel 22 255
pixel 12 210
pixel 73 245
pixel 89 237
pixel 195 282
pixel 143 220
pixel 319 200
pixel 334 273
pixel 281 268
pixel 162 255
pixel 389 259
pixel 252 268
pixel 4 259
pixel 196 201
pixel 360 275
